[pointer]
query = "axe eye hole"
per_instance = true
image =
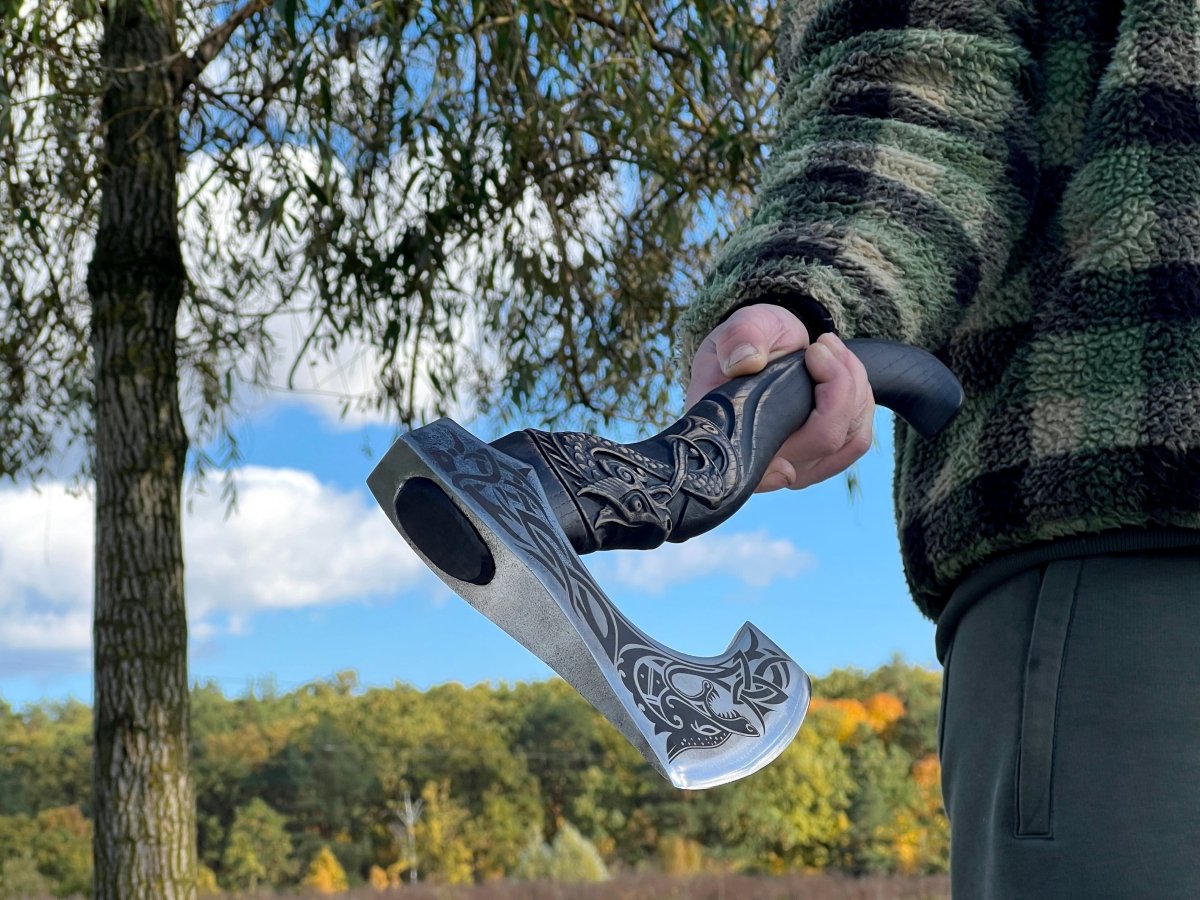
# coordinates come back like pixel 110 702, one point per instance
pixel 439 529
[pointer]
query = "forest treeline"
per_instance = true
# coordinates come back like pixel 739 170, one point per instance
pixel 331 786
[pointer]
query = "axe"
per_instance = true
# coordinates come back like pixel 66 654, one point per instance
pixel 504 525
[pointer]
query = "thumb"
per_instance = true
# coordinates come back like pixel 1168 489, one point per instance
pixel 754 336
pixel 731 358
pixel 742 345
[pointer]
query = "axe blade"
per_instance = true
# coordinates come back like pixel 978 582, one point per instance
pixel 700 721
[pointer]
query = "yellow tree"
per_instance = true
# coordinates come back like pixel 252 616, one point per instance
pixel 794 813
pixel 920 833
pixel 325 874
pixel 441 836
pixel 883 711
pixel 377 877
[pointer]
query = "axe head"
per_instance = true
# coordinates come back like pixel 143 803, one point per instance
pixel 481 520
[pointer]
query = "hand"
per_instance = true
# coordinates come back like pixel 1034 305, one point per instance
pixel 837 432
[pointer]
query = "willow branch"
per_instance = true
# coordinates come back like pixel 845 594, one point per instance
pixel 214 42
pixel 622 28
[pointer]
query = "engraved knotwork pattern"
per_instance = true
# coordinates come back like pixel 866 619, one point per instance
pixel 695 705
pixel 634 491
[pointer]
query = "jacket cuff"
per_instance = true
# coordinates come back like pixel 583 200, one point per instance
pixel 814 315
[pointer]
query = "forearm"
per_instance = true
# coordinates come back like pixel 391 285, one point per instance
pixel 903 175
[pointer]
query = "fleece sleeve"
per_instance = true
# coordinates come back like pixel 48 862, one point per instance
pixel 903 174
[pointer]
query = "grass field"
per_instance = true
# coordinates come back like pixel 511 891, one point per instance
pixel 659 887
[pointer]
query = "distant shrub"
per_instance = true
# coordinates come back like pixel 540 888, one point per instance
pixel 571 857
pixel 680 855
pixel 20 878
pixel 325 873
pixel 206 882
pixel 378 879
pixel 258 849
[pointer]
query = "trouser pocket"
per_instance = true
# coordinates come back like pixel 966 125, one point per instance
pixel 1044 667
pixel 941 719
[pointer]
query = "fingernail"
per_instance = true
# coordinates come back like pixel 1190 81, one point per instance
pixel 774 481
pixel 836 341
pixel 742 351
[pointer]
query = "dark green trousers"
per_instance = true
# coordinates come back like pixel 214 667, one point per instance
pixel 1070 725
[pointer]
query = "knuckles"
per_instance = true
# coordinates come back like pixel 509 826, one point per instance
pixel 859 443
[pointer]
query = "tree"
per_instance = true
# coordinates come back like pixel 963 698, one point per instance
pixel 47 757
pixel 20 878
pixel 862 804
pixel 441 836
pixel 679 855
pixel 258 850
pixel 402 175
pixel 405 829
pixel 325 874
pixel 17 833
pixel 62 848
pixel 884 788
pixel 918 690
pixel 322 781
pixel 574 858
pixel 378 879
pixel 569 857
pixel 793 814
pixel 557 733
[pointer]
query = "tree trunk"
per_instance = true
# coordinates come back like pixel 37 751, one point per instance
pixel 145 843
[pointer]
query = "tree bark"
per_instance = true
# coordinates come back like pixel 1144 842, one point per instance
pixel 145 843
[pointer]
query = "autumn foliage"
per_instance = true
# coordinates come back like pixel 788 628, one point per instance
pixel 325 873
pixel 309 789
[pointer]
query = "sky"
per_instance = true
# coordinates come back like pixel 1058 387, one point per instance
pixel 306 577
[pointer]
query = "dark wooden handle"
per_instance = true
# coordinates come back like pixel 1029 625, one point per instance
pixel 697 473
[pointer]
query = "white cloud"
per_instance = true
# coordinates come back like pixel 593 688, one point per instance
pixel 45 569
pixel 755 559
pixel 292 542
pixel 338 382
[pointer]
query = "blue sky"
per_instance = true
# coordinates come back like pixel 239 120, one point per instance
pixel 307 578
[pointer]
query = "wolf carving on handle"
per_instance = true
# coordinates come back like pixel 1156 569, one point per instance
pixel 632 491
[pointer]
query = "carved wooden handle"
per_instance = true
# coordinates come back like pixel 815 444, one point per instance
pixel 697 473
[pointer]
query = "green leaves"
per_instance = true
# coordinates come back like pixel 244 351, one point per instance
pixel 524 779
pixel 258 849
pixel 286 10
pixel 510 199
pixel 48 135
pixel 542 174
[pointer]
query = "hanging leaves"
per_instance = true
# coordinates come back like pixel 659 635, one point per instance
pixel 501 202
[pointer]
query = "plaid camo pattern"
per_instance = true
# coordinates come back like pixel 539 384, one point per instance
pixel 1015 186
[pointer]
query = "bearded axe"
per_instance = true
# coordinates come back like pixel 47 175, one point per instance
pixel 504 525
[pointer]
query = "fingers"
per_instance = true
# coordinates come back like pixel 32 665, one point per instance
pixel 838 431
pixel 743 344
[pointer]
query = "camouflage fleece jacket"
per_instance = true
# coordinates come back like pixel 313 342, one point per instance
pixel 1015 186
